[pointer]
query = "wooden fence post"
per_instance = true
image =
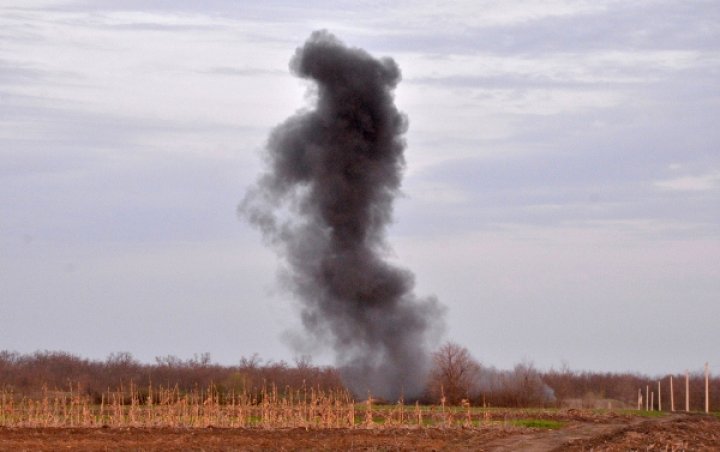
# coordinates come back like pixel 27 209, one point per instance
pixel 659 397
pixel 687 390
pixel 707 389
pixel 672 396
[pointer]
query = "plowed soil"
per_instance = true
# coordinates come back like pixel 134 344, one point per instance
pixel 672 432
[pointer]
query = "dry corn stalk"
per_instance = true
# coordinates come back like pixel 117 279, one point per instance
pixel 159 406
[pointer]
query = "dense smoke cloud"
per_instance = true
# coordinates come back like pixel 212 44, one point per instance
pixel 325 203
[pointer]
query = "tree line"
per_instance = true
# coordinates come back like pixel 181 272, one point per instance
pixel 456 377
pixel 32 374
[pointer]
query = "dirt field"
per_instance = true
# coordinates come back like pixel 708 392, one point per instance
pixel 672 432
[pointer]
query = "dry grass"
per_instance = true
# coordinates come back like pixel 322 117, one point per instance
pixel 267 408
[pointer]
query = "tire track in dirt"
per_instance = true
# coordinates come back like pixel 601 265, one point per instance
pixel 547 441
pixel 677 431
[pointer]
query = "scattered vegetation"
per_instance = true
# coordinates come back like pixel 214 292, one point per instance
pixel 538 423
pixel 308 408
pixel 171 407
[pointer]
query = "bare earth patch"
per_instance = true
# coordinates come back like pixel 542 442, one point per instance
pixel 672 432
pixel 47 439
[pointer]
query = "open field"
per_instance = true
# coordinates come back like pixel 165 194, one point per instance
pixel 316 416
pixel 580 432
pixel 281 425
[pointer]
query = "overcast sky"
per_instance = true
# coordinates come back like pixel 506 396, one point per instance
pixel 561 195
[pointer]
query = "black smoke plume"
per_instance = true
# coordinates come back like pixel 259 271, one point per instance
pixel 325 203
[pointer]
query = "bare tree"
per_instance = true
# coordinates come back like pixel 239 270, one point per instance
pixel 250 363
pixel 455 373
pixel 524 387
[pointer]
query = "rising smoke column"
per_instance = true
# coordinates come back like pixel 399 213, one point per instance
pixel 325 203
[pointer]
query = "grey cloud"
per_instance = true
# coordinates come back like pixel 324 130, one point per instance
pixel 634 25
pixel 20 73
pixel 10 74
pixel 509 81
pixel 88 177
pixel 278 9
pixel 589 172
pixel 245 71
pixel 86 196
pixel 150 26
pixel 669 25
